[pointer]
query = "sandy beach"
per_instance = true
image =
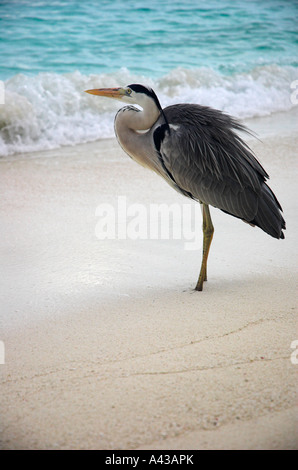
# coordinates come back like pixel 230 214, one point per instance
pixel 107 345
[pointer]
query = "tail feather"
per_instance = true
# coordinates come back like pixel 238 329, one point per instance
pixel 269 215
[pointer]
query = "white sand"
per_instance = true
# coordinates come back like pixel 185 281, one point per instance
pixel 107 346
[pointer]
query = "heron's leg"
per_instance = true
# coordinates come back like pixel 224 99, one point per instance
pixel 208 230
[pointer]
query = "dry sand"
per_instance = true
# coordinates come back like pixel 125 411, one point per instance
pixel 107 346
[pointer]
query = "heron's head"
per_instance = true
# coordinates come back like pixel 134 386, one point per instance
pixel 132 94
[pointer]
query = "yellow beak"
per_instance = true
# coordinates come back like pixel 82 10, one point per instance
pixel 116 93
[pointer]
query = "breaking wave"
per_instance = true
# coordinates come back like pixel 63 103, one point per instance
pixel 50 110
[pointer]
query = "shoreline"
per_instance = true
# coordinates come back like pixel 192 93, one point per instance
pixel 282 122
pixel 107 346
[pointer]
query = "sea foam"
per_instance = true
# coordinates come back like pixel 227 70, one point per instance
pixel 50 110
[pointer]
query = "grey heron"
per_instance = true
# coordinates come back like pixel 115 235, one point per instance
pixel 198 151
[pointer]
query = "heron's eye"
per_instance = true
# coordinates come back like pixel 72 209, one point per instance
pixel 128 91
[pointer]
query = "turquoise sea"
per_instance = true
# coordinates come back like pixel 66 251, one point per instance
pixel 239 56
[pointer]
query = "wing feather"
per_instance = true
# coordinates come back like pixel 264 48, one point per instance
pixel 208 159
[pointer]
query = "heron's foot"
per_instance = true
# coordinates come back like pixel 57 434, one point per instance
pixel 199 287
pixel 201 280
pixel 208 231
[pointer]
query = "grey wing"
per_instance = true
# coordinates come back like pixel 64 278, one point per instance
pixel 207 160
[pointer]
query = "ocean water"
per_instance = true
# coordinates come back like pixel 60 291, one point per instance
pixel 238 56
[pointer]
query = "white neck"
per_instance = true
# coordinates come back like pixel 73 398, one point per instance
pixel 128 121
pixel 136 119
